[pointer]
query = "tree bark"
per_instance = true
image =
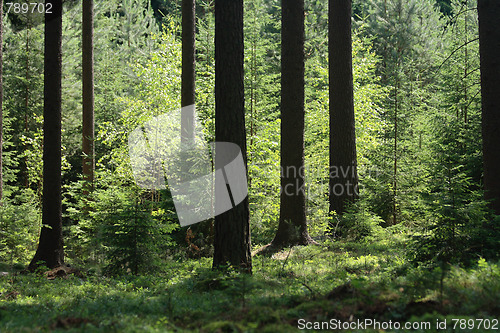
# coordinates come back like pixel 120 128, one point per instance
pixel 88 165
pixel 343 161
pixel 188 66
pixel 187 84
pixel 292 228
pixel 489 48
pixel 232 229
pixel 50 246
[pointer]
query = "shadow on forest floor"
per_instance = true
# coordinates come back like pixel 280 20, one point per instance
pixel 337 281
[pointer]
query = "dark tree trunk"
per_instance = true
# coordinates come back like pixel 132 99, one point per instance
pixel 188 96
pixel 489 47
pixel 188 83
pixel 50 246
pixel 188 67
pixel 343 162
pixel 1 101
pixel 88 94
pixel 292 228
pixel 232 229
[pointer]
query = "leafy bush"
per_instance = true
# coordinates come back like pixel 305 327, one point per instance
pixel 20 222
pixel 457 234
pixel 122 228
pixel 355 224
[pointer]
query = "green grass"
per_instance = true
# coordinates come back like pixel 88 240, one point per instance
pixel 341 280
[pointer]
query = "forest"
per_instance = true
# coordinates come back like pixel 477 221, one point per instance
pixel 249 166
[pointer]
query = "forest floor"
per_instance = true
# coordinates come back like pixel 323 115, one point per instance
pixel 326 286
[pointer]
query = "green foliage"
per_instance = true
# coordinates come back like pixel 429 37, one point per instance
pixel 123 230
pixel 409 47
pixel 262 88
pixel 120 227
pixel 23 93
pixel 456 234
pixel 356 224
pixel 130 233
pixel 264 144
pixel 205 70
pixel 418 125
pixel 335 280
pixel 20 222
pixel 368 97
pixel 264 186
pixel 159 88
pixel 457 216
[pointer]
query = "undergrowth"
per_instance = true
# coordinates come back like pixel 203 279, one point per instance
pixel 336 280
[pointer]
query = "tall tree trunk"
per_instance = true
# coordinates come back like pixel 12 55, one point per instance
pixel 50 246
pixel 343 161
pixel 489 47
pixel 232 229
pixel 188 67
pixel 253 82
pixel 292 228
pixel 27 103
pixel 188 83
pixel 88 94
pixel 188 97
pixel 1 102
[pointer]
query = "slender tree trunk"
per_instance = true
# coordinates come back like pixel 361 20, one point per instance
pixel 1 102
pixel 253 82
pixel 50 246
pixel 188 70
pixel 188 97
pixel 343 160
pixel 188 76
pixel 27 88
pixel 27 102
pixel 466 66
pixel 253 85
pixel 88 95
pixel 395 155
pixel 232 229
pixel 397 88
pixel 489 47
pixel 292 228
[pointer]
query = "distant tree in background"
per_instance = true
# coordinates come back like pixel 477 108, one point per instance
pixel 489 47
pixel 88 94
pixel 408 38
pixel 343 160
pixel 232 229
pixel 50 247
pixel 22 105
